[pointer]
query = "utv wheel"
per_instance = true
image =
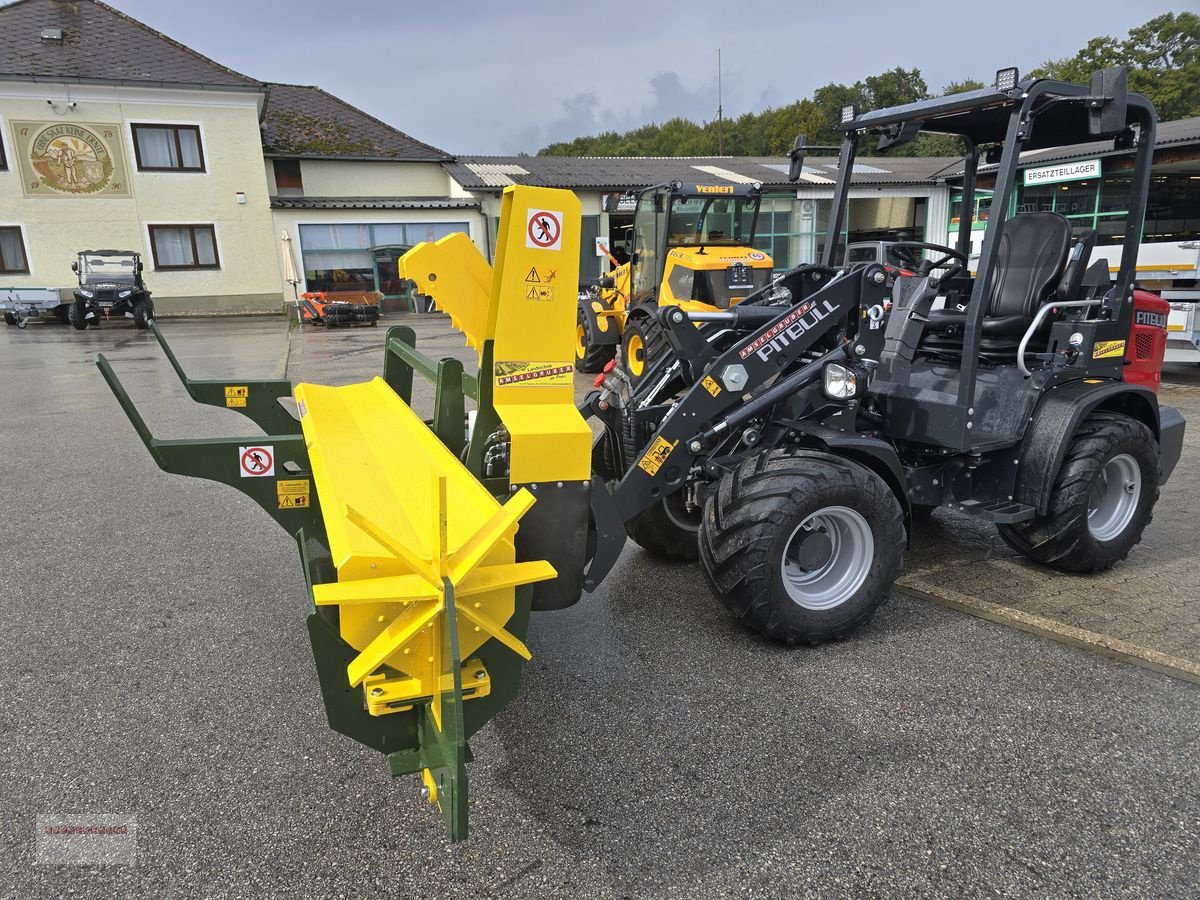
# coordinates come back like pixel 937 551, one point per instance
pixel 64 313
pixel 75 315
pixel 9 318
pixel 589 357
pixel 802 547
pixel 667 529
pixel 633 349
pixel 1102 500
pixel 143 312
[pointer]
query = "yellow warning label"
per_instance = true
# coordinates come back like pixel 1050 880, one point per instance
pixel 532 277
pixel 1105 349
pixel 656 456
pixel 235 395
pixel 292 493
pixel 543 374
pixel 710 385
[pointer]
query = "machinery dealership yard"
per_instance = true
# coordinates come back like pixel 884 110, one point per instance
pixel 156 665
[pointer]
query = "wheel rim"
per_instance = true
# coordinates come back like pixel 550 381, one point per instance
pixel 580 341
pixel 635 353
pixel 827 558
pixel 1113 497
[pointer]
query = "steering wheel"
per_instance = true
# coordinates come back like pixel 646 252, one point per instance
pixel 951 260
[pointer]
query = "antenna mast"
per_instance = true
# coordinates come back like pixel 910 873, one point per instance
pixel 720 111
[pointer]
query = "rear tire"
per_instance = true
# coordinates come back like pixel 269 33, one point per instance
pixel 75 315
pixel 9 318
pixel 667 530
pixel 802 547
pixel 589 357
pixel 1101 502
pixel 64 313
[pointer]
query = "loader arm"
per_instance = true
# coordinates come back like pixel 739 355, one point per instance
pixel 734 390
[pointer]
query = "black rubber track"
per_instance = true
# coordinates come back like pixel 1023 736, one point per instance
pixel 746 526
pixel 1061 539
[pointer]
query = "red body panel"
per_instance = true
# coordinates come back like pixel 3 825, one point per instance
pixel 1147 340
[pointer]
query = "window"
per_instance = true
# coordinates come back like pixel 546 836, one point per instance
pixel 3 158
pixel 343 258
pixel 184 247
pixel 288 182
pixel 168 148
pixel 12 252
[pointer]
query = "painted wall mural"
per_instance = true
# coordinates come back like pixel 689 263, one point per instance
pixel 58 159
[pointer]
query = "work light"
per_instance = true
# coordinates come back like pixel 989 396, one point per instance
pixel 842 382
pixel 1006 79
pixel 847 114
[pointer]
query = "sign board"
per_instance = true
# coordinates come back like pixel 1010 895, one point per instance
pixel 543 229
pixel 256 462
pixel 1071 171
pixel 76 159
pixel 620 203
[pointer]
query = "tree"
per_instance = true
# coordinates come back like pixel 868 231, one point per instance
pixel 1162 56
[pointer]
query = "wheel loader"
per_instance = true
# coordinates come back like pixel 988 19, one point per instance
pixel 786 441
pixel 691 247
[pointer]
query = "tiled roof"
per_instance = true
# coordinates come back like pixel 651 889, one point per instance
pixel 305 121
pixel 100 43
pixel 489 173
pixel 373 203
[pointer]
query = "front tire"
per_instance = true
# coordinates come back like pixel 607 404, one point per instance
pixel 589 357
pixel 802 547
pixel 143 312
pixel 9 318
pixel 634 353
pixel 75 315
pixel 1101 502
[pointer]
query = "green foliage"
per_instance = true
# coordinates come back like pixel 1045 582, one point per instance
pixel 1162 56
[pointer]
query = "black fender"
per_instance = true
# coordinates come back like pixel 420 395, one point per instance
pixel 870 452
pixel 596 337
pixel 1057 417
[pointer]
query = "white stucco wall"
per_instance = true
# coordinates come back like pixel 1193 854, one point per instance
pixel 56 227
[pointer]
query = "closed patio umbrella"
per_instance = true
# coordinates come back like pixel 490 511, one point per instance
pixel 289 266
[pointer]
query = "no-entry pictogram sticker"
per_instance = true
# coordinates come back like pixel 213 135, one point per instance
pixel 256 462
pixel 543 229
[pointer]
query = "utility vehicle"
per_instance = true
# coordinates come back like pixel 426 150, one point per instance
pixel 110 285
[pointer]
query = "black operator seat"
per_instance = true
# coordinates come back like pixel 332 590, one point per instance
pixel 1027 270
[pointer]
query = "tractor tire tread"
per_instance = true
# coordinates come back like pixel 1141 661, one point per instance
pixel 1061 539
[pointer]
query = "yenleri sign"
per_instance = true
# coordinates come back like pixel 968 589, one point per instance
pixel 1072 171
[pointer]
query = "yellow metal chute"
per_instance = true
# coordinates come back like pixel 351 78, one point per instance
pixel 407 523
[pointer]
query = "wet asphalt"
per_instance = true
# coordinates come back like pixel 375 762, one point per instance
pixel 155 664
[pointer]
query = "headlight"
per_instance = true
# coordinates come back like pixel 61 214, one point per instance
pixel 123 294
pixel 87 294
pixel 843 382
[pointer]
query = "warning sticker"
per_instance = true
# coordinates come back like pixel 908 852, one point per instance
pixel 1105 349
pixel 292 493
pixel 541 294
pixel 236 395
pixel 710 385
pixel 256 462
pixel 543 229
pixel 543 374
pixel 656 456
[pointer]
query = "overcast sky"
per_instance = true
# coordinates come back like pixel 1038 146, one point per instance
pixel 505 77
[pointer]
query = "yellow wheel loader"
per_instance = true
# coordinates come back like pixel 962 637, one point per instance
pixel 692 246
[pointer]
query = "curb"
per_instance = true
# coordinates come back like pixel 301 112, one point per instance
pixel 1163 663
